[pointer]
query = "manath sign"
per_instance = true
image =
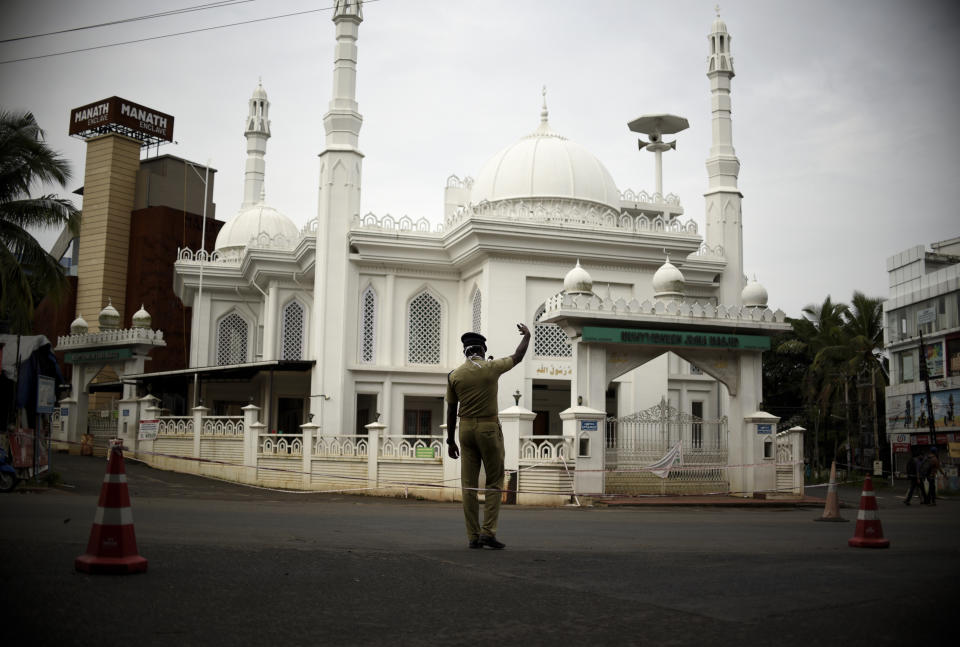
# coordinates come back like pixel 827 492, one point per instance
pixel 674 338
pixel 94 117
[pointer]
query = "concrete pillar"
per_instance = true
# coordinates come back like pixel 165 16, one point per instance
pixel 375 432
pixel 309 431
pixel 68 411
pixel 588 388
pixel 761 443
pixel 516 423
pixel 128 422
pixel 256 428
pixel 583 429
pixel 198 414
pixel 741 448
pixel 795 438
pixel 251 435
pixel 149 410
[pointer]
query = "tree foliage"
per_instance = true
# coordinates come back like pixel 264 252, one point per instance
pixel 27 271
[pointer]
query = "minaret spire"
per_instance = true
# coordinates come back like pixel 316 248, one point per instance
pixel 723 197
pixel 342 122
pixel 257 133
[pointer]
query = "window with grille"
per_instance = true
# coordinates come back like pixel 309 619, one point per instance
pixel 423 330
pixel 549 340
pixel 476 310
pixel 368 313
pixel 291 338
pixel 232 340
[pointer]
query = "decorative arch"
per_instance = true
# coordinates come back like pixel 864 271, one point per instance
pixel 549 339
pixel 293 330
pixel 233 339
pixel 368 325
pixel 476 305
pixel 424 328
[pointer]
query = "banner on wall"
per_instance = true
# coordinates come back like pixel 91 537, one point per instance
pixel 908 412
pixel 934 359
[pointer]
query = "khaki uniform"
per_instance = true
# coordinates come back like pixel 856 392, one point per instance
pixel 474 384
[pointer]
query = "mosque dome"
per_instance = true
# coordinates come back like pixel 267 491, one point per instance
pixel 545 164
pixel 109 318
pixel 142 318
pixel 578 281
pixel 253 222
pixel 754 295
pixel 668 281
pixel 259 92
pixel 79 326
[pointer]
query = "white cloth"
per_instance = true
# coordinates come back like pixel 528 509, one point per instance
pixel 673 457
pixel 28 345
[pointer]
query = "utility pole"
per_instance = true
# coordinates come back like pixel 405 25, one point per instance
pixel 925 376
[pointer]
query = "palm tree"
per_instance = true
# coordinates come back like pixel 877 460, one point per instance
pixel 27 271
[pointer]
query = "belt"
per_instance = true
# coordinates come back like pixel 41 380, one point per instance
pixel 481 418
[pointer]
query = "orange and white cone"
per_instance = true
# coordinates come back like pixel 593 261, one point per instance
pixel 831 509
pixel 112 547
pixel 869 532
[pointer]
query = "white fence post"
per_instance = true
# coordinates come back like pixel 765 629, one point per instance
pixel 516 422
pixel 795 436
pixel 451 471
pixel 251 437
pixel 584 429
pixel 309 434
pixel 148 411
pixel 375 432
pixel 198 414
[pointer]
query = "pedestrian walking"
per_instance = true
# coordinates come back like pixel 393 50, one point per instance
pixel 472 396
pixel 913 475
pixel 928 475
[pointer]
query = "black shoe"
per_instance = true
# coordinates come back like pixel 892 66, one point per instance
pixel 474 543
pixel 491 542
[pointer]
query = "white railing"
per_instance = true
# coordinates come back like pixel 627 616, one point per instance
pixel 340 446
pixel 411 447
pixel 175 426
pixel 693 309
pixel 222 426
pixel 123 336
pixel 280 445
pixel 539 449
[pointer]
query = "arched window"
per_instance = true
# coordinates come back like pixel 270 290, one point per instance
pixel 549 340
pixel 232 339
pixel 423 330
pixel 368 321
pixel 476 310
pixel 291 336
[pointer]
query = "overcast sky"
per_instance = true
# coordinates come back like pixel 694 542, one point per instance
pixel 845 114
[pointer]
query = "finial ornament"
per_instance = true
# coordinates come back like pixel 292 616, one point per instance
pixel 543 111
pixel 717 9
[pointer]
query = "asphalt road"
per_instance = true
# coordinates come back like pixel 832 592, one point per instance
pixel 231 565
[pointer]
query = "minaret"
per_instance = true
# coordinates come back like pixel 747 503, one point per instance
pixel 257 133
pixel 724 226
pixel 338 203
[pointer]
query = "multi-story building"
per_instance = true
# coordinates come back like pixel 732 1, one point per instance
pixel 924 303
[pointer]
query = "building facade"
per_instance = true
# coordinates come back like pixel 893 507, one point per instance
pixel 924 301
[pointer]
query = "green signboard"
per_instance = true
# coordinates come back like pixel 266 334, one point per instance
pixel 675 338
pixel 425 452
pixel 107 355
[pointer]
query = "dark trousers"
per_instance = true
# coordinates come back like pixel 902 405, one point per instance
pixel 915 485
pixel 930 490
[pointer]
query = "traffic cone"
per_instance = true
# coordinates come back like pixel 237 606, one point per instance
pixel 112 548
pixel 831 510
pixel 869 532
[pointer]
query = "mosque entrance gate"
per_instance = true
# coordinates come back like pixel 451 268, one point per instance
pixel 641 439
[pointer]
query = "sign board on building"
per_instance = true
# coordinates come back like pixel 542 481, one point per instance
pixel 88 356
pixel 425 452
pixel 927 315
pixel 588 425
pixel 148 429
pixel 132 118
pixel 765 428
pixel 674 338
pixel 46 394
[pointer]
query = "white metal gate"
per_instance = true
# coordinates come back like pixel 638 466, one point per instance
pixel 636 441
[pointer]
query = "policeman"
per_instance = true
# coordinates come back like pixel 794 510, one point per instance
pixel 473 386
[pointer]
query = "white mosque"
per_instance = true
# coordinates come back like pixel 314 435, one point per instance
pixel 356 318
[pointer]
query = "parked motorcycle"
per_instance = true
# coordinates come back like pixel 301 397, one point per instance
pixel 8 474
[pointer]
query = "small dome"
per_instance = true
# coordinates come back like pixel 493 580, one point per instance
pixel 718 27
pixel 142 318
pixel 578 281
pixel 79 326
pixel 754 295
pixel 545 165
pixel 109 318
pixel 668 281
pixel 259 92
pixel 259 222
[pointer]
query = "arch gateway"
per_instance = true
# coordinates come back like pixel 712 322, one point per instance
pixel 736 453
